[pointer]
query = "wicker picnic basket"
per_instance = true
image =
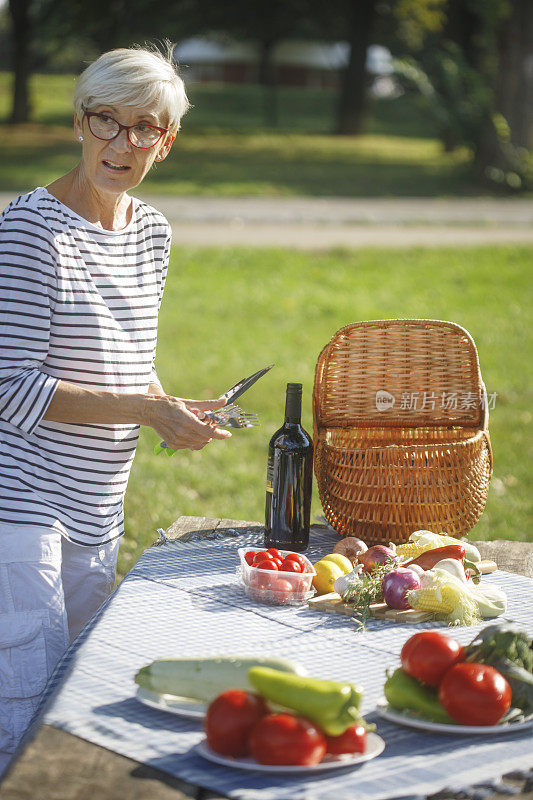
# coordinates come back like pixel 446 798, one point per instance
pixel 400 418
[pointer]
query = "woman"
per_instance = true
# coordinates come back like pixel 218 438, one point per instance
pixel 82 271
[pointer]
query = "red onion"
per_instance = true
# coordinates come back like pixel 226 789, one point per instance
pixel 396 584
pixel 378 554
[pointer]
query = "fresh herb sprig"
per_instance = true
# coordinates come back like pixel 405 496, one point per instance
pixel 366 590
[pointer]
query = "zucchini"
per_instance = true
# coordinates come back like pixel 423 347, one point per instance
pixel 205 678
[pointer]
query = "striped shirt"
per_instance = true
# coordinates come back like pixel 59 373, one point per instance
pixel 80 304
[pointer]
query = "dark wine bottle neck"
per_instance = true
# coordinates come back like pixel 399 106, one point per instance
pixel 293 408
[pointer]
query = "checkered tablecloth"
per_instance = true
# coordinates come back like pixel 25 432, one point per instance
pixel 185 599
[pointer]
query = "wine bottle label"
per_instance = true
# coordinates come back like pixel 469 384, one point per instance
pixel 270 475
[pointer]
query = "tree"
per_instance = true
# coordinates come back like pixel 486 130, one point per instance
pixel 21 13
pixel 479 85
pixel 397 24
pixel 351 113
pixel 40 27
pixel 503 153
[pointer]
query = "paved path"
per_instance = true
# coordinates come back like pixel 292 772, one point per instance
pixel 316 223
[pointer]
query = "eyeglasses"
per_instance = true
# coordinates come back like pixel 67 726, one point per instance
pixel 139 135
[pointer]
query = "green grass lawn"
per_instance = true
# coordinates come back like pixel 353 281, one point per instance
pixel 227 312
pixel 225 148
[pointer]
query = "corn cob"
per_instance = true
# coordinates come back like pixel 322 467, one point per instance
pixel 413 549
pixel 448 602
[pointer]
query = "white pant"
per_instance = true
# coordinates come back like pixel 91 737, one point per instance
pixel 49 589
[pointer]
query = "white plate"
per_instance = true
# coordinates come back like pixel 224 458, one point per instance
pixel 412 721
pixel 374 746
pixel 181 706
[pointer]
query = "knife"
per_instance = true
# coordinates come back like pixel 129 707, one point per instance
pixel 243 385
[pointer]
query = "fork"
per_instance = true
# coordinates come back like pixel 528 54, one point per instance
pixel 234 417
pixel 227 417
pixel 242 421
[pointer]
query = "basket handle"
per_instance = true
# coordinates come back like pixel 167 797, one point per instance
pixel 485 402
pixel 319 371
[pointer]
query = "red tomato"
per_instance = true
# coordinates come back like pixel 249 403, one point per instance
pixel 278 562
pixel 281 589
pixel 287 739
pixel 259 580
pixel 289 565
pixel 274 552
pixel 298 558
pixel 261 555
pixel 229 720
pixel 475 694
pixel 302 586
pixel 266 563
pixel 353 740
pixel 427 655
pixel 249 556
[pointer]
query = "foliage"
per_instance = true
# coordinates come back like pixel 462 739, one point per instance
pixel 414 20
pixel 455 95
pixel 462 103
pixel 516 170
pixel 366 589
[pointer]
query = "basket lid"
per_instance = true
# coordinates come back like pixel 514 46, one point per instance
pixel 400 373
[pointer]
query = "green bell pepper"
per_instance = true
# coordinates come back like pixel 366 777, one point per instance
pixel 333 706
pixel 404 693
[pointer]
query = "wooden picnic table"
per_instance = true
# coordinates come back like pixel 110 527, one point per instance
pixel 56 765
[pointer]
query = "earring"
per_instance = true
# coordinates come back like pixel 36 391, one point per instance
pixel 80 138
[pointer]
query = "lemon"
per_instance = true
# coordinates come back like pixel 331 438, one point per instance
pixel 326 574
pixel 341 561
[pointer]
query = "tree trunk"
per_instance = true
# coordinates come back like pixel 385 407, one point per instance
pixel 513 90
pixel 266 76
pixel 21 26
pixel 352 101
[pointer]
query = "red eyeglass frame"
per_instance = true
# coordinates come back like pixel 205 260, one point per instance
pixel 126 128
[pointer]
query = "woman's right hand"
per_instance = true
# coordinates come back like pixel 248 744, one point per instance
pixel 176 422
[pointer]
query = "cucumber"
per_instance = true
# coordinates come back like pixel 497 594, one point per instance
pixel 205 678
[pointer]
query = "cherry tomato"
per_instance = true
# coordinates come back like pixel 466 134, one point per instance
pixel 281 590
pixel 259 580
pixel 278 562
pixel 475 694
pixel 302 586
pixel 427 655
pixel 353 740
pixel 266 563
pixel 286 739
pixel 249 556
pixel 229 720
pixel 261 555
pixel 298 558
pixel 274 552
pixel 289 565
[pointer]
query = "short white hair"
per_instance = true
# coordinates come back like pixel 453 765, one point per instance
pixel 138 77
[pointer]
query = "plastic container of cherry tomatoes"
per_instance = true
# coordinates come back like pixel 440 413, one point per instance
pixel 276 587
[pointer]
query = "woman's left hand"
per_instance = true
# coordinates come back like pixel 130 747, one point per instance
pixel 199 407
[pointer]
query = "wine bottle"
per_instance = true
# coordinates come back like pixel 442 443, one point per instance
pixel 289 479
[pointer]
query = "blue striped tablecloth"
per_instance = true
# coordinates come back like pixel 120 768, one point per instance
pixel 184 599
